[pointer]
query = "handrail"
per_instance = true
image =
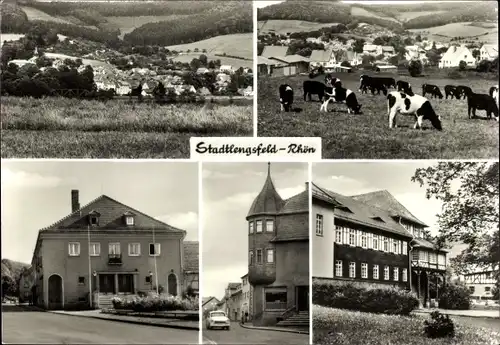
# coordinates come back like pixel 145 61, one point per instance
pixel 287 313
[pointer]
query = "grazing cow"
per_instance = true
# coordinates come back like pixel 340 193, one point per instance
pixel 313 87
pixel 494 93
pixel 433 90
pixel 286 97
pixel 373 83
pixel 463 91
pixel 452 91
pixel 330 80
pixel 341 95
pixel 411 105
pixel 480 101
pixel 405 87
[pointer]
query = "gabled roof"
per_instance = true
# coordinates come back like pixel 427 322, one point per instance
pixel 491 49
pixel 111 218
pixel 369 47
pixel 270 51
pixel 321 55
pixel 291 58
pixel 233 285
pixel 423 243
pixel 206 300
pixel 268 201
pixel 296 204
pixel 191 256
pixel 384 200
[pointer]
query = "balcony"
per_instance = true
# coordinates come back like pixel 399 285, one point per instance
pixel 114 259
pixel 428 265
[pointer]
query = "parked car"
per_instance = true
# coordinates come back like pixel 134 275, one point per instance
pixel 218 319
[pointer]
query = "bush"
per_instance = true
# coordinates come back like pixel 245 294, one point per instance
pixel 439 326
pixel 454 296
pixel 462 65
pixel 454 74
pixel 155 303
pixel 365 299
pixel 415 68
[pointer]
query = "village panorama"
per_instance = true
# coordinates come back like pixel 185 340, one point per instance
pixel 123 79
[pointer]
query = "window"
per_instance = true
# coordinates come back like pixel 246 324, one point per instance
pixel 275 298
pixel 363 240
pixel 404 274
pixel 94 249
pixel 114 249
pixel 74 249
pixel 319 225
pixel 352 237
pixel 81 280
pixel 433 258
pixel 338 268
pixel 487 289
pixel 338 234
pixel 259 256
pixel 352 270
pixel 250 257
pixel 364 270
pixel 386 244
pixel 250 227
pixel 134 249
pixel 129 220
pixel 375 271
pixel 396 274
pixel 386 273
pixel 395 246
pixel 269 225
pixel 405 248
pixel 472 289
pixel 375 242
pixel 148 279
pixel 154 249
pixel 259 226
pixel 94 220
pixel 270 256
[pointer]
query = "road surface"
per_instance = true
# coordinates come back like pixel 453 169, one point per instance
pixel 240 335
pixel 34 327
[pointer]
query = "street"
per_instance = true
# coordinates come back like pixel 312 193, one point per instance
pixel 34 327
pixel 240 335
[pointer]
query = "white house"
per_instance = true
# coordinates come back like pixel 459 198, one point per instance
pixel 415 53
pixel 488 52
pixel 454 55
pixel 226 68
pixel 123 88
pixel 324 58
pixel 21 63
pixel 372 49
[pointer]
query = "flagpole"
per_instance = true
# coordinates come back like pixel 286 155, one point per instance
pixel 90 267
pixel 156 269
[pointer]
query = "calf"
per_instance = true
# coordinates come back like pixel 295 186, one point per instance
pixel 341 95
pixel 373 83
pixel 313 87
pixel 463 91
pixel 479 101
pixel 411 105
pixel 452 91
pixel 494 93
pixel 286 97
pixel 405 87
pixel 433 90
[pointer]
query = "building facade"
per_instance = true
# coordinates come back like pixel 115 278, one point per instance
pixel 105 249
pixel 454 55
pixel 247 291
pixel 278 244
pixel 25 285
pixel 481 283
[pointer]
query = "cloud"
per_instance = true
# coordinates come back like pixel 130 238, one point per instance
pixel 12 179
pixel 214 174
pixel 286 193
pixel 265 3
pixel 186 221
pixel 215 280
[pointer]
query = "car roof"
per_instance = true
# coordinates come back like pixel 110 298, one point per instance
pixel 217 311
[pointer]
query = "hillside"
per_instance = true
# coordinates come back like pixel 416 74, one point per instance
pixel 13 269
pixel 236 44
pixel 280 26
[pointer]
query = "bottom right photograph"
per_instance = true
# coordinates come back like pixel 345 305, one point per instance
pixel 405 252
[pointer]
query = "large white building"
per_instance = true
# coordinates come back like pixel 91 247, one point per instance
pixel 454 55
pixel 488 52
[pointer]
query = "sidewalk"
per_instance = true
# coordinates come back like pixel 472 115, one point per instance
pixel 469 313
pixel 276 329
pixel 150 321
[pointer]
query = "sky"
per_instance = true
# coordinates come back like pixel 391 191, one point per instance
pixel 228 192
pixel 395 177
pixel 36 194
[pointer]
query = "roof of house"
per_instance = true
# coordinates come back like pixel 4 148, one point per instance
pixel 270 51
pixel 233 285
pixel 205 300
pixel 388 48
pixel 321 55
pixel 268 201
pixel 191 256
pixel 369 47
pixel 298 203
pixel 261 60
pixel 491 49
pixel 111 218
pixel 291 58
pixel 423 243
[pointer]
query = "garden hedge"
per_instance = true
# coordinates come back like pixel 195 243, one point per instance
pixel 156 303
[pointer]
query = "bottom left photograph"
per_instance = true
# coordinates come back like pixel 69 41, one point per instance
pixel 99 252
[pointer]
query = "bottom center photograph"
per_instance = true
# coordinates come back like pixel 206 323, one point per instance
pixel 255 253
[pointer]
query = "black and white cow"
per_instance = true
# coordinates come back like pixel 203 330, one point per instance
pixel 411 105
pixel 433 90
pixel 341 95
pixel 405 87
pixel 479 101
pixel 332 81
pixel 286 97
pixel 373 83
pixel 463 91
pixel 313 87
pixel 452 91
pixel 494 93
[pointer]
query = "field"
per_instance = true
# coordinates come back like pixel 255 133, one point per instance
pixel 405 16
pixel 128 24
pixel 187 58
pixel 342 327
pixel 280 26
pixel 10 37
pixel 71 128
pixel 456 30
pixel 368 136
pixel 361 12
pixel 93 63
pixel 236 44
pixel 35 14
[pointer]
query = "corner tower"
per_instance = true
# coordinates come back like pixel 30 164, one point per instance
pixel 261 230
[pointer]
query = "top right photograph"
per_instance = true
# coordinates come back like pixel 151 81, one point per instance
pixel 381 79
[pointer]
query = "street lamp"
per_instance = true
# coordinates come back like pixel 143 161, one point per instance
pixel 151 279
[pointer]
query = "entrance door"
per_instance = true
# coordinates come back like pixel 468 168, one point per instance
pixel 172 284
pixel 55 292
pixel 302 298
pixel 126 283
pixel 107 283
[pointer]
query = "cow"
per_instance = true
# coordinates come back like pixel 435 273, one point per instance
pixel 405 87
pixel 433 90
pixel 373 83
pixel 341 95
pixel 494 93
pixel 313 87
pixel 480 101
pixel 411 105
pixel 286 97
pixel 330 80
pixel 463 91
pixel 452 91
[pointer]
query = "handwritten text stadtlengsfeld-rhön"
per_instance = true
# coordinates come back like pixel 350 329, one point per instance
pixel 260 149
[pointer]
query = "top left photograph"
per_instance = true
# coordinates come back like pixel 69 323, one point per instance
pixel 123 79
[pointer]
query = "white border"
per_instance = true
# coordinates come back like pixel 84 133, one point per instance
pixel 254 70
pixel 310 178
pixel 200 252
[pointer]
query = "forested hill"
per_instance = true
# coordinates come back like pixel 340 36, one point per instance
pixel 11 272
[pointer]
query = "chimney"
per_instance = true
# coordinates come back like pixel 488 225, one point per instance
pixel 307 185
pixel 75 204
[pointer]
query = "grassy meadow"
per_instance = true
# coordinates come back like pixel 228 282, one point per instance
pixel 368 136
pixel 72 128
pixel 281 26
pixel 344 327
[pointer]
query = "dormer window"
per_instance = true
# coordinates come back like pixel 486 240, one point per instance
pixel 94 218
pixel 129 218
